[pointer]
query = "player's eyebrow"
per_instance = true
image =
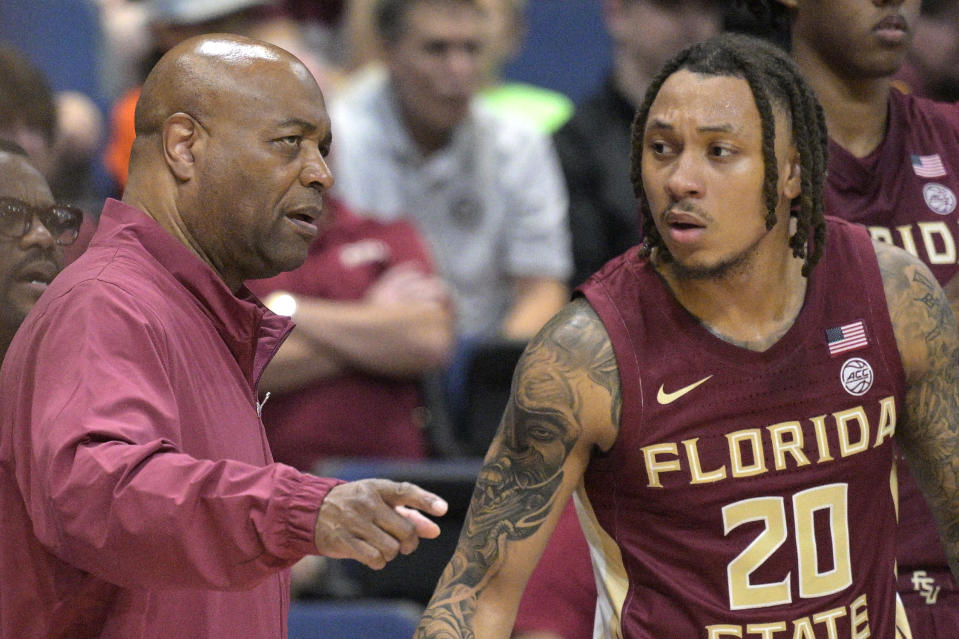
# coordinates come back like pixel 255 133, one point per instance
pixel 662 125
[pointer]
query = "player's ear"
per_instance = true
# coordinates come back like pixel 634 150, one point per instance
pixel 180 137
pixel 792 185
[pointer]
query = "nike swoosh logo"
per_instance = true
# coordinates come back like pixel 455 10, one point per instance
pixel 668 398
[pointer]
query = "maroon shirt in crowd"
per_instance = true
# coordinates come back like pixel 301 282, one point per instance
pixel 355 414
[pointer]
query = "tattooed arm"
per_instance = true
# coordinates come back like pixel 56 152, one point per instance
pixel 564 402
pixel 928 346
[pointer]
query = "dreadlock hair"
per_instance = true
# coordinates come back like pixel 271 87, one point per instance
pixel 773 79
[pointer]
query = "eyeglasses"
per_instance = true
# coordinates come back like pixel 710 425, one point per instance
pixel 16 218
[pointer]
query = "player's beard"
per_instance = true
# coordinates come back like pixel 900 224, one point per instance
pixel 727 266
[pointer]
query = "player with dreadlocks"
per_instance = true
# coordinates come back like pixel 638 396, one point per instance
pixel 723 411
pixel 762 67
pixel 894 167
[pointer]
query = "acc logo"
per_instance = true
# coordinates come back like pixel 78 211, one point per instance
pixel 856 376
pixel 939 198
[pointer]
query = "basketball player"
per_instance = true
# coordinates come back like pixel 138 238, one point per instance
pixel 894 167
pixel 723 399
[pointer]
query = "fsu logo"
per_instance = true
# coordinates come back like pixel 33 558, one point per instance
pixel 856 376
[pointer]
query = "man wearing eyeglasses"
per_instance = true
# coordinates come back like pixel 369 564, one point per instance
pixel 32 232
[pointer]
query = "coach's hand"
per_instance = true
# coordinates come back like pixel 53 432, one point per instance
pixel 372 520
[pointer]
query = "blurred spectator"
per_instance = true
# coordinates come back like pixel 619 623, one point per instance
pixel 28 111
pixel 506 24
pixel 126 43
pixel 60 133
pixel 932 66
pixel 317 29
pixel 480 186
pixel 484 189
pixel 371 319
pixel 594 145
pixel 165 23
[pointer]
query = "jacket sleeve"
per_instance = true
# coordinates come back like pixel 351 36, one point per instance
pixel 103 474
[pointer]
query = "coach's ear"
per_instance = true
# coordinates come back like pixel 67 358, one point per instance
pixel 182 135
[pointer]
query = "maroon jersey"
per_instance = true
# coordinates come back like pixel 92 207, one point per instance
pixel 905 192
pixel 749 494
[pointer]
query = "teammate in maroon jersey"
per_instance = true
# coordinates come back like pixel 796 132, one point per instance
pixel 723 400
pixel 894 167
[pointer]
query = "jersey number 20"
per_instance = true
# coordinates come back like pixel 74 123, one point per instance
pixel 813 582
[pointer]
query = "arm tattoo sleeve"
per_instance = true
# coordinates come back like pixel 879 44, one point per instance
pixel 929 434
pixel 517 487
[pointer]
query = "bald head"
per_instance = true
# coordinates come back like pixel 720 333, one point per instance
pixel 203 74
pixel 229 155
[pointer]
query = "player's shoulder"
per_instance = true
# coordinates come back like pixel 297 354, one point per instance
pixel 577 331
pixel 896 263
pixel 917 110
pixel 575 316
pixel 921 317
pixel 571 361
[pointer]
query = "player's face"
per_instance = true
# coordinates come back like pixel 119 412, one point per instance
pixel 854 38
pixel 28 263
pixel 261 174
pixel 437 64
pixel 703 174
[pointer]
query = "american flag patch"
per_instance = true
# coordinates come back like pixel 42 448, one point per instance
pixel 848 337
pixel 928 166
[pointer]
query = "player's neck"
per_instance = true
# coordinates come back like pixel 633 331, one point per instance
pixel 752 306
pixel 856 109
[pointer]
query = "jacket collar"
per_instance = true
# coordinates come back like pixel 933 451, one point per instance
pixel 250 331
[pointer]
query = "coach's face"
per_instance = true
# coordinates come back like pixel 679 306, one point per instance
pixel 261 171
pixel 27 263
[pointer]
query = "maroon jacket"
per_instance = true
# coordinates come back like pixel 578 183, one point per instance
pixel 138 497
